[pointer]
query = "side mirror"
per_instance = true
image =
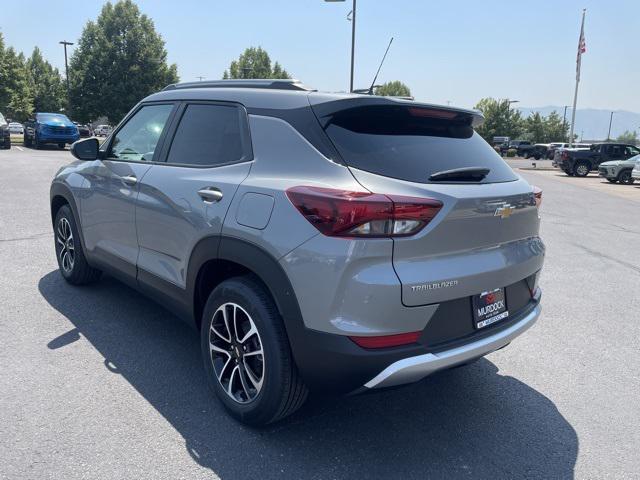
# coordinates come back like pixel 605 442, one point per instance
pixel 86 149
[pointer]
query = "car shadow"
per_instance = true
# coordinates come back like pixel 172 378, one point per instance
pixel 468 422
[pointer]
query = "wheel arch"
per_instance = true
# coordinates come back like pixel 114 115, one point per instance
pixel 60 195
pixel 214 259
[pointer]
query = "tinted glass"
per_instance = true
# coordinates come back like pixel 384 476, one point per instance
pixel 138 138
pixel 45 117
pixel 412 143
pixel 209 135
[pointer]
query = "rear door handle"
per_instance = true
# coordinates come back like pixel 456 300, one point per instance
pixel 210 194
pixel 129 179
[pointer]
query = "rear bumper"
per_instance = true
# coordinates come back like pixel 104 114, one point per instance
pixel 332 363
pixel 412 369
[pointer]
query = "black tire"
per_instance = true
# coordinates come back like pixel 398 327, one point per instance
pixel 581 169
pixel 281 390
pixel 36 143
pixel 78 271
pixel 624 177
pixel 612 180
pixel 526 155
pixel 26 140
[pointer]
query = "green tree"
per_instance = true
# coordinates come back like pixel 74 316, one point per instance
pixel 16 101
pixel 555 129
pixel 254 62
pixel 393 89
pixel 500 119
pixel 534 126
pixel 48 89
pixel 628 137
pixel 119 60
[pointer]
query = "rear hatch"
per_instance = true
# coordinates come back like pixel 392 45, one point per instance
pixel 486 234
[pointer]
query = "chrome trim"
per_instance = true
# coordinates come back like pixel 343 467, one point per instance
pixel 413 369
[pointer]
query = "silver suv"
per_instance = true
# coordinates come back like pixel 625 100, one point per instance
pixel 318 242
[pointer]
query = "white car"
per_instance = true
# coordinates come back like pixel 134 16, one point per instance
pixel 102 130
pixel 16 128
pixel 635 173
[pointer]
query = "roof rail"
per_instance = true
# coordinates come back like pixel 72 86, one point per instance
pixel 274 84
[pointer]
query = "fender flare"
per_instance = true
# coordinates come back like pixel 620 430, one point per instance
pixel 61 190
pixel 264 266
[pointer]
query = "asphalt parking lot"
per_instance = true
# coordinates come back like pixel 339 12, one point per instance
pixel 99 382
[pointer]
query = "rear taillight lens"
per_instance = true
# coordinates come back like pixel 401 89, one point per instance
pixel 537 194
pixel 386 341
pixel 342 213
pixel 564 155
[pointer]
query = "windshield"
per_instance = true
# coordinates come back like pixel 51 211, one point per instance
pixel 45 117
pixel 411 143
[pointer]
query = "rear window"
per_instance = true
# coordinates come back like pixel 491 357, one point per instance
pixel 411 143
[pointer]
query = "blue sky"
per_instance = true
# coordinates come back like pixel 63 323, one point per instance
pixel 457 51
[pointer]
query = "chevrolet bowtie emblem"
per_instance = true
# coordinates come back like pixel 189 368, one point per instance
pixel 504 211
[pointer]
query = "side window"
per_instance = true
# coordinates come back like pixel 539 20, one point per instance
pixel 616 152
pixel 210 135
pixel 138 138
pixel 631 152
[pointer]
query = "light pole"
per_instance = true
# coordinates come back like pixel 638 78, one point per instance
pixel 200 77
pixel 66 65
pixel 353 38
pixel 610 120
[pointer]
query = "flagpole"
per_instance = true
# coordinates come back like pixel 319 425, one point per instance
pixel 579 63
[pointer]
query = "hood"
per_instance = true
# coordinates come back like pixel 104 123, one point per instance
pixel 611 163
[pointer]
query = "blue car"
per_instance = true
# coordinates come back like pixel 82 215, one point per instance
pixel 50 128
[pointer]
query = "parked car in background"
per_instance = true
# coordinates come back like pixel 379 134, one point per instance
pixel 635 173
pixel 84 130
pixel 103 130
pixel 5 135
pixel 49 128
pixel 362 243
pixel 16 128
pixel 537 151
pixel 554 147
pixel 579 162
pixel 619 170
pixel 518 145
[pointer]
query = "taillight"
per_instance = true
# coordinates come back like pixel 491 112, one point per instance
pixel 537 194
pixel 564 155
pixel 343 213
pixel 386 341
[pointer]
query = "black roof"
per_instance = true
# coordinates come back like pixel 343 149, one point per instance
pixel 282 95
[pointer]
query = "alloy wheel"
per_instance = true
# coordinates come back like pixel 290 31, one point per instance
pixel 66 247
pixel 236 352
pixel 582 170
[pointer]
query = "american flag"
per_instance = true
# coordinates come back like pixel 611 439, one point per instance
pixel 582 47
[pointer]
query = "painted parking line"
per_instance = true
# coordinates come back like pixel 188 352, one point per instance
pixel 20 148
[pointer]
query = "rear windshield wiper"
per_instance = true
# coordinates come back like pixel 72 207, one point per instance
pixel 464 174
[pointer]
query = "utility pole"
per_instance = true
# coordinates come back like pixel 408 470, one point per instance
pixel 353 38
pixel 200 77
pixel 353 43
pixel 564 122
pixel 610 120
pixel 66 65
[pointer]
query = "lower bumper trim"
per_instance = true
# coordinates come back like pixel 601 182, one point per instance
pixel 412 369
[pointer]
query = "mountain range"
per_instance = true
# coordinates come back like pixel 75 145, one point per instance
pixel 591 123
